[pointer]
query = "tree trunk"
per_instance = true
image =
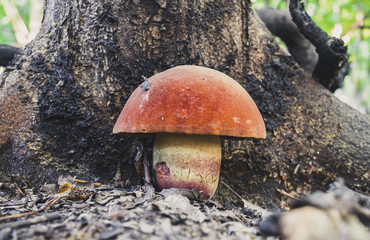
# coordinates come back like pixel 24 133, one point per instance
pixel 60 99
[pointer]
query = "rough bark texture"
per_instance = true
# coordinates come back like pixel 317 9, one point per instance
pixel 60 99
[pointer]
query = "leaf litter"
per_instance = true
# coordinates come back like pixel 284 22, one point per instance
pixel 80 209
pixel 86 210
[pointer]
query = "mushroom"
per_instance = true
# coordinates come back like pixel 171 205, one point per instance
pixel 189 109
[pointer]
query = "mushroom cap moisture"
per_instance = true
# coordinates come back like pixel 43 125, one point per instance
pixel 189 108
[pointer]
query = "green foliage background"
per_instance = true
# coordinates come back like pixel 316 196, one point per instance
pixel 333 16
pixel 349 20
pixel 6 30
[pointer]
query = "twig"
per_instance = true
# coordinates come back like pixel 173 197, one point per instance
pixel 80 181
pixel 35 220
pixel 96 184
pixel 18 189
pixel 145 162
pixel 51 202
pixel 283 192
pixel 247 204
pixel 232 190
pixel 18 215
pixel 358 24
pixel 46 206
pixel 12 204
pixel 296 168
pixel 311 169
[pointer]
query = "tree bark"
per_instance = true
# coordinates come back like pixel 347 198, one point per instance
pixel 61 97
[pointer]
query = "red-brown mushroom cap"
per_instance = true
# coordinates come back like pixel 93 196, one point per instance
pixel 192 100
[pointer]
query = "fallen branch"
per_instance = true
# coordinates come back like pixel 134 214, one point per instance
pixel 333 56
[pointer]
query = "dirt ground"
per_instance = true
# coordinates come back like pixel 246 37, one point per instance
pixel 85 210
pixel 92 211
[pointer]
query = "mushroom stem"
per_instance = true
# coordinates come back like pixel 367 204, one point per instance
pixel 187 161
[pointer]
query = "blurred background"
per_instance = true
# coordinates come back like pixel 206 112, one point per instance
pixel 20 21
pixel 350 21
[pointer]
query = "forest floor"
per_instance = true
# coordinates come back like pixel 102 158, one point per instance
pixel 85 210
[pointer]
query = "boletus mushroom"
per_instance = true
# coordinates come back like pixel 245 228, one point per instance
pixel 189 109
